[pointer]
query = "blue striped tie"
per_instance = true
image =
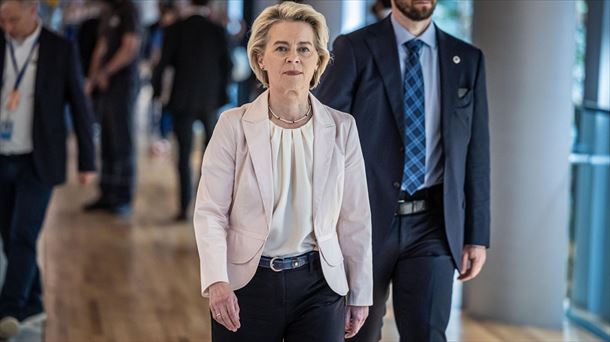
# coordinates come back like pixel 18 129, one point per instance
pixel 414 170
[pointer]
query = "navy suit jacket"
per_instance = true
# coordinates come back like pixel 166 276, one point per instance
pixel 59 82
pixel 364 79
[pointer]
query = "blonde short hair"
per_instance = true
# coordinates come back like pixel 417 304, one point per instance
pixel 288 11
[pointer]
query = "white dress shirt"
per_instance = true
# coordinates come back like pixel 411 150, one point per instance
pixel 23 116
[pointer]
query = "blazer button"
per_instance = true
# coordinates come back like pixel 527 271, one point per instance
pixel 396 185
pixel 402 149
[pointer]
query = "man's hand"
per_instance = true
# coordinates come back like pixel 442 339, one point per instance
pixel 85 178
pixel 354 319
pixel 89 86
pixel 473 259
pixel 223 305
pixel 102 80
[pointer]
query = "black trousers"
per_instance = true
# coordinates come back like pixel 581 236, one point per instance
pixel 183 130
pixel 292 306
pixel 115 110
pixel 416 260
pixel 23 204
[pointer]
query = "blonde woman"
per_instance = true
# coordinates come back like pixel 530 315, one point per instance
pixel 282 218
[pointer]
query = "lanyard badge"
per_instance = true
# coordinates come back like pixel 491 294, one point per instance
pixel 6 130
pixel 15 96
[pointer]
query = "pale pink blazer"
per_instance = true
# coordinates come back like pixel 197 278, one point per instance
pixel 235 200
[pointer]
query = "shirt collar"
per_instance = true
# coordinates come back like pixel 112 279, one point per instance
pixel 403 36
pixel 29 40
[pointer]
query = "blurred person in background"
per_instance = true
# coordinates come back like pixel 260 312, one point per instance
pixel 88 31
pixel 419 98
pixel 114 74
pixel 282 218
pixel 40 76
pixel 198 51
pixel 161 118
pixel 381 9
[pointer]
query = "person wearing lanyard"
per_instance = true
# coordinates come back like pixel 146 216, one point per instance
pixel 41 74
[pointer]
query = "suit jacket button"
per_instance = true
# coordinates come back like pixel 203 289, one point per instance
pixel 402 149
pixel 396 185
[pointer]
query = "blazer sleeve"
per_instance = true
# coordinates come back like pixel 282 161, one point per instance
pixel 80 109
pixel 214 198
pixel 337 86
pixel 476 187
pixel 354 224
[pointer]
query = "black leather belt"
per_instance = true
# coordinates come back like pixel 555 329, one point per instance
pixel 411 207
pixel 420 201
pixel 282 264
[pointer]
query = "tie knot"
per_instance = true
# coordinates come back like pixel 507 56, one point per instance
pixel 414 46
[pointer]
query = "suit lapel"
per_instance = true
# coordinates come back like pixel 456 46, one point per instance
pixel 2 55
pixel 382 43
pixel 41 67
pixel 256 130
pixel 323 149
pixel 448 74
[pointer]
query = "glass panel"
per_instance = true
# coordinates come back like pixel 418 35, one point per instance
pixel 455 18
pixel 589 274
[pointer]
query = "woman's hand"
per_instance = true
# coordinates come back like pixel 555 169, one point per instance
pixel 223 305
pixel 354 319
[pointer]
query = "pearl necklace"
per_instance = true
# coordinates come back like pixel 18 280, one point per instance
pixel 291 121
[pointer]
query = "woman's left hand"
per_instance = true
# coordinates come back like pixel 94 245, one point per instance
pixel 354 319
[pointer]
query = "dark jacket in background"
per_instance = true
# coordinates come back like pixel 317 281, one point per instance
pixel 198 51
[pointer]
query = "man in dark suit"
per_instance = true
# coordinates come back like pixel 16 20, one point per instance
pixel 42 75
pixel 419 99
pixel 197 49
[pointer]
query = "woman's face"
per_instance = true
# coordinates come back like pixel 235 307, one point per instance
pixel 290 57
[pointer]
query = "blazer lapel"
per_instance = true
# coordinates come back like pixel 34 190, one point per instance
pixel 2 54
pixel 323 143
pixel 42 70
pixel 448 74
pixel 382 43
pixel 256 130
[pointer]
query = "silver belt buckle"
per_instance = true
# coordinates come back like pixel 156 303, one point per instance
pixel 411 207
pixel 271 265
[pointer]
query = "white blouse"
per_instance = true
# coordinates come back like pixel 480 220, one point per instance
pixel 291 230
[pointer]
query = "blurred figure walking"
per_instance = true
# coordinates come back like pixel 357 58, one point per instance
pixel 198 51
pixel 114 73
pixel 41 74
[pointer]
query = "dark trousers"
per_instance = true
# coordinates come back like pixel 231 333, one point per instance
pixel 183 129
pixel 115 110
pixel 23 204
pixel 291 306
pixel 416 260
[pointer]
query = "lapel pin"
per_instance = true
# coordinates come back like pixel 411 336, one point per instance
pixel 456 59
